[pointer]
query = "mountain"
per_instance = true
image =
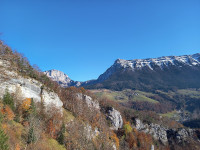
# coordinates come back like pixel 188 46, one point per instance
pixel 152 73
pixel 61 78
pixel 166 72
pixel 36 113
pixel 64 80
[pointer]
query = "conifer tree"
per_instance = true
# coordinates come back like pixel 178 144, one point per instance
pixel 33 108
pixel 3 137
pixel 31 136
pixel 8 100
pixel 3 140
pixel 60 138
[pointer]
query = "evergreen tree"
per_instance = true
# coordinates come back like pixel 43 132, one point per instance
pixel 61 137
pixel 8 100
pixel 1 117
pixel 3 140
pixel 33 108
pixel 3 137
pixel 31 136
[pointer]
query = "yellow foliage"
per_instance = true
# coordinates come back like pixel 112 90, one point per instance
pixel 4 126
pixel 53 144
pixel 17 129
pixel 67 116
pixel 127 127
pixel 26 103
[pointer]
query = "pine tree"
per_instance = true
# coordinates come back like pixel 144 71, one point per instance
pixel 3 140
pixel 8 100
pixel 61 137
pixel 33 108
pixel 31 136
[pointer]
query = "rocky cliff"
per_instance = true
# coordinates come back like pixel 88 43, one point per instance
pixel 26 87
pixel 165 135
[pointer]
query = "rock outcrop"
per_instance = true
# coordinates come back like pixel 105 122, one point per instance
pixel 164 135
pixel 157 131
pixel 26 87
pixel 91 133
pixel 115 118
pixel 180 135
pixel 88 100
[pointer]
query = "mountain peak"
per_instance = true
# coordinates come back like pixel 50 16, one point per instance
pixel 165 61
pixel 60 77
pixel 56 74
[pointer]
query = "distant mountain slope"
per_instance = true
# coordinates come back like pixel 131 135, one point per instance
pixel 64 80
pixel 143 74
pixel 61 78
pixel 154 73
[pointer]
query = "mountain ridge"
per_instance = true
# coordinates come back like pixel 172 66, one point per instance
pixel 147 66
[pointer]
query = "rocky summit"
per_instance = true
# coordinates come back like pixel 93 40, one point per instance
pixel 61 78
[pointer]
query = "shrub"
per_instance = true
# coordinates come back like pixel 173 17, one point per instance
pixel 61 136
pixel 127 128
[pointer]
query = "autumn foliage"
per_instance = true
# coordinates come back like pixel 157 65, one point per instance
pixel 8 113
pixel 26 104
pixel 116 139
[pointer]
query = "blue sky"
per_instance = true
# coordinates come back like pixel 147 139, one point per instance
pixel 84 37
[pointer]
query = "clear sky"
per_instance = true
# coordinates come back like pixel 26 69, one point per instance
pixel 84 37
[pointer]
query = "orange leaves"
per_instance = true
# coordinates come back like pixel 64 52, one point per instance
pixel 132 141
pixel 145 140
pixel 95 120
pixel 51 129
pixel 17 147
pixel 8 113
pixel 115 138
pixel 26 104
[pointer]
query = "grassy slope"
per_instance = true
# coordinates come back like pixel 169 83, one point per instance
pixel 125 95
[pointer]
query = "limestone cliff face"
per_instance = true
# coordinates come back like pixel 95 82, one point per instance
pixel 115 118
pixel 26 87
